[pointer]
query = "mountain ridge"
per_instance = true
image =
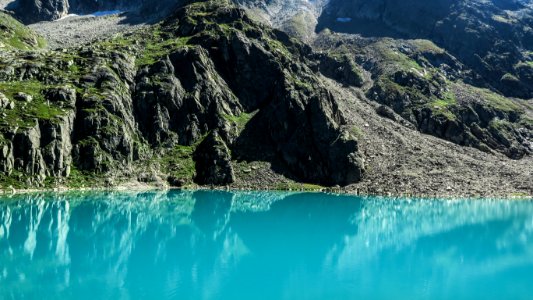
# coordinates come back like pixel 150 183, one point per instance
pixel 209 96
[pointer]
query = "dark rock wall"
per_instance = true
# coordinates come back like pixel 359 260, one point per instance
pixel 122 110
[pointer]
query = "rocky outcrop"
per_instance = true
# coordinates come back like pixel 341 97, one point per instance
pixel 490 37
pixel 179 93
pixel 342 69
pixel 105 129
pixel 196 97
pixel 38 152
pixel 421 85
pixel 213 162
pixel 32 11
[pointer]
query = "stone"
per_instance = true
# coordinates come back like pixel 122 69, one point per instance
pixel 213 162
pixel 5 103
pixel 23 97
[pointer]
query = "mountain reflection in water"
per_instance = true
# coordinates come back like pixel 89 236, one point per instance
pixel 262 245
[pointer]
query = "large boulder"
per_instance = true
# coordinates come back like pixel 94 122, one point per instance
pixel 213 162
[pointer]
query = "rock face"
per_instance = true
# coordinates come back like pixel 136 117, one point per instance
pixel 492 38
pixel 208 90
pixel 430 89
pixel 178 96
pixel 213 162
pixel 32 11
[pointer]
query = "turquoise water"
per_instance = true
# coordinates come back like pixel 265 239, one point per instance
pixel 262 245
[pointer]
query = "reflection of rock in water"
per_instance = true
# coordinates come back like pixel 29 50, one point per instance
pixel 109 237
pixel 433 242
pixel 205 244
pixel 397 223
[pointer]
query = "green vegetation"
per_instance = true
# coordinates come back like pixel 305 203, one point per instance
pixel 356 132
pixel 14 35
pixel 153 52
pixel 391 55
pixel 179 163
pixel 427 46
pixel 241 120
pixel 527 121
pixel 444 105
pixel 81 179
pixel 25 113
pixel 497 101
pixel 294 186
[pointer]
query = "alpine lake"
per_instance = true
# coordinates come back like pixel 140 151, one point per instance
pixel 262 245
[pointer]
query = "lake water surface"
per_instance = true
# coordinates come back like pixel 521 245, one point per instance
pixel 262 245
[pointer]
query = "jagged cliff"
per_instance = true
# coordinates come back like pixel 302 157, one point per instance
pixel 210 96
pixel 182 98
pixel 493 38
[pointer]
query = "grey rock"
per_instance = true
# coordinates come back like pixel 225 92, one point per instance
pixel 213 162
pixel 5 103
pixel 23 97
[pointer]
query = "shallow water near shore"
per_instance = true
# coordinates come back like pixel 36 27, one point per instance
pixel 262 245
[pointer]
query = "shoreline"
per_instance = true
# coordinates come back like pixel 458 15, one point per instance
pixel 340 191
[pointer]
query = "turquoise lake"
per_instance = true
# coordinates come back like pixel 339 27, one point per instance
pixel 262 245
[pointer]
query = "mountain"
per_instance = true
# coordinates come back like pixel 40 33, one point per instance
pixel 373 96
pixel 32 11
pixel 493 38
pixel 182 91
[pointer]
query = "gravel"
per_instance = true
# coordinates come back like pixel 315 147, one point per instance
pixel 403 161
pixel 79 30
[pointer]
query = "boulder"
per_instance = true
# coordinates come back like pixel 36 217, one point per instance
pixel 213 162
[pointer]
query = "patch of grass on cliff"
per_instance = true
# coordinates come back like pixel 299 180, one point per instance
pixel 241 120
pixel 279 47
pixel 356 132
pixel 82 179
pixel 497 101
pixel 16 180
pixel 178 162
pixel 153 52
pixel 385 50
pixel 25 113
pixel 427 46
pixel 444 105
pixel 527 121
pixel 15 35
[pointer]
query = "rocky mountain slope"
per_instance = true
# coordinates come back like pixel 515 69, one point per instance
pixel 175 98
pixel 213 95
pixel 32 11
pixel 493 38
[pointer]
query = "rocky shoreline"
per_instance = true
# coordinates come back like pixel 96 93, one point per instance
pixel 340 191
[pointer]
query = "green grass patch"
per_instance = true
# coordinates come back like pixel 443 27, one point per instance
pixel 82 179
pixel 25 113
pixel 427 46
pixel 16 180
pixel 392 56
pixel 444 105
pixel 178 162
pixel 356 132
pixel 241 120
pixel 497 101
pixel 155 51
pixel 15 35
